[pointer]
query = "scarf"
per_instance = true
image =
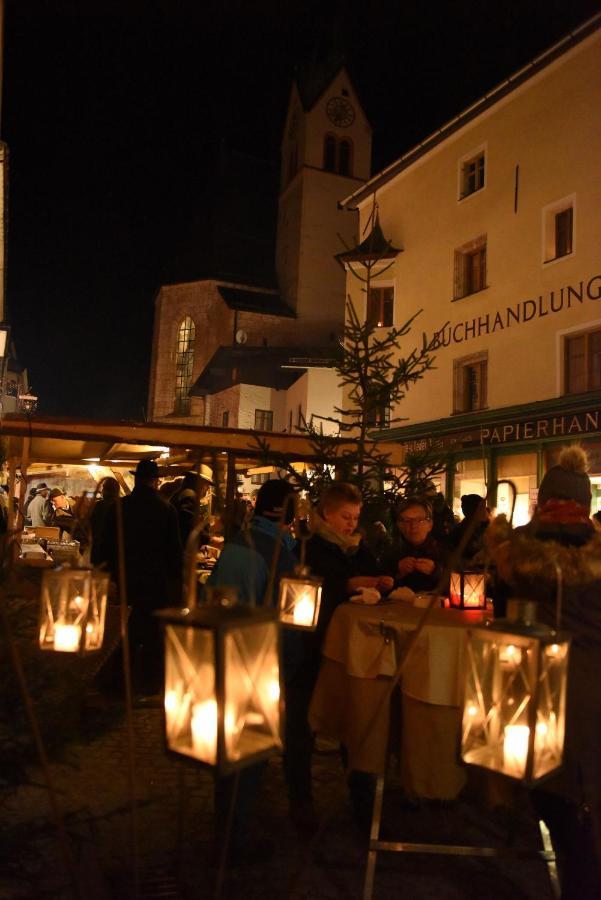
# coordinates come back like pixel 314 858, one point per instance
pixel 348 543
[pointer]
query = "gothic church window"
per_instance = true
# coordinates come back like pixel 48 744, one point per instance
pixel 184 362
pixel 338 155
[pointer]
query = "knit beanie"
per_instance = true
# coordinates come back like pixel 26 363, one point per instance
pixel 568 479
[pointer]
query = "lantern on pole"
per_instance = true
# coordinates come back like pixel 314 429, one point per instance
pixel 300 599
pixel 73 609
pixel 467 590
pixel 222 684
pixel 514 702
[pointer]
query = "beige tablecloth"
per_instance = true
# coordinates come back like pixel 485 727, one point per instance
pixel 359 659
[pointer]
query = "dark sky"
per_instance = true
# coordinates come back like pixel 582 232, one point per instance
pixel 112 112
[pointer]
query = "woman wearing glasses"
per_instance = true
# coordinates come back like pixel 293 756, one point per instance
pixel 415 560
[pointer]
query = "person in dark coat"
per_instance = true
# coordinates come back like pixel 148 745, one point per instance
pixel 153 568
pixel 109 495
pixel 187 503
pixel 337 553
pixel 475 521
pixel 561 534
pixel 415 560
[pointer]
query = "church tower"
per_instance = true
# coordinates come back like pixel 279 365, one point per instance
pixel 326 154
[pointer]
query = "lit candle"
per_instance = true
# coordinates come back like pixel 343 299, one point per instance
pixel 509 656
pixel 67 637
pixel 303 610
pixel 515 749
pixel 204 729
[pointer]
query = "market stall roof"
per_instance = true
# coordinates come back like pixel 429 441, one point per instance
pixel 65 440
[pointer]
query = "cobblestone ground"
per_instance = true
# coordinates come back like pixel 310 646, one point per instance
pixel 175 828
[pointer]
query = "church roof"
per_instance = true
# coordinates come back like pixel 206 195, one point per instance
pixel 275 367
pixel 372 248
pixel 266 302
pixel 313 78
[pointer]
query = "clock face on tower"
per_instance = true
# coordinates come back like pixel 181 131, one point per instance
pixel 340 112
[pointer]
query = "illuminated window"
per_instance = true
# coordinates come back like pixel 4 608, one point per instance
pixel 473 172
pixel 558 224
pixel 470 268
pixel 378 410
pixel 470 377
pixel 184 362
pixel 582 362
pixel 380 309
pixel 263 420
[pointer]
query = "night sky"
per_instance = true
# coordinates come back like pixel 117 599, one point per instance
pixel 113 112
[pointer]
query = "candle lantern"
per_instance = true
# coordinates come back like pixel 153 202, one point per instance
pixel 300 599
pixel 73 610
pixel 468 590
pixel 222 684
pixel 514 702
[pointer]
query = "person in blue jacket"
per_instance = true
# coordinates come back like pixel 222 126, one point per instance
pixel 247 563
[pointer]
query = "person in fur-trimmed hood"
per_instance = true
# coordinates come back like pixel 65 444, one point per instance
pixel 562 534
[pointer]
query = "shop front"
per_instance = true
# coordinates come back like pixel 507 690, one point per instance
pixel 515 444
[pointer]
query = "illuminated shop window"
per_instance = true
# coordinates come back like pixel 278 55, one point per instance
pixel 582 362
pixel 470 377
pixel 380 307
pixel 470 268
pixel 184 362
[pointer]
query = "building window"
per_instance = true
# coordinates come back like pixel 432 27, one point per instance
pixel 338 155
pixel 378 409
pixel 470 377
pixel 582 361
pixel 380 309
pixel 263 420
pixel 470 268
pixel 184 362
pixel 473 173
pixel 259 478
pixel 225 418
pixel 558 225
pixel 289 421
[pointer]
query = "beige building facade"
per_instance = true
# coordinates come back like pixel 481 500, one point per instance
pixel 498 217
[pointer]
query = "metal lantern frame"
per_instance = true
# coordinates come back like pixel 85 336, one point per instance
pixel 461 582
pixel 293 589
pixel 203 721
pixel 514 702
pixel 73 610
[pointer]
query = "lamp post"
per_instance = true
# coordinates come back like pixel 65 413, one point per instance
pixel 514 702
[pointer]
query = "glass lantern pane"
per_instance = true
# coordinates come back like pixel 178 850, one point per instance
pixel 64 607
pixel 252 690
pixel 299 602
pixel 501 675
pixel 550 715
pixel 190 701
pixel 96 611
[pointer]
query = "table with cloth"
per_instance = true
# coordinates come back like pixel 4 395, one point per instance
pixel 360 655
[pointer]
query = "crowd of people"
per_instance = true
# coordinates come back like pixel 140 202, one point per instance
pixel 151 526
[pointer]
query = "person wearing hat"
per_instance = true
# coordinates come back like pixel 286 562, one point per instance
pixel 188 502
pixel 39 508
pixel 562 536
pixel 61 514
pixel 153 568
